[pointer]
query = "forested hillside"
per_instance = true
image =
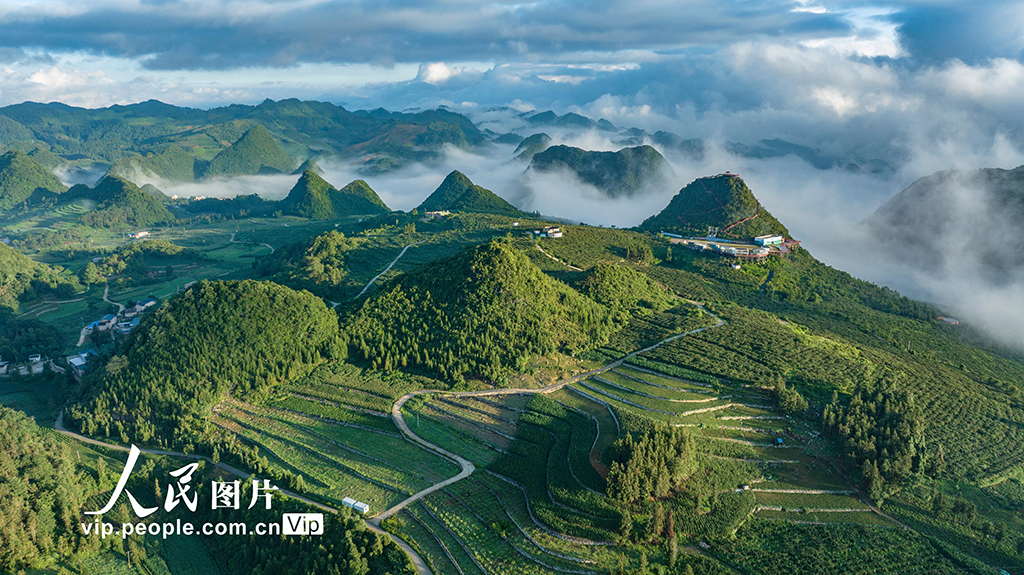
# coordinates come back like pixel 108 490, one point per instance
pixel 721 201
pixel 41 495
pixel 484 311
pixel 312 197
pixel 317 265
pixel 120 205
pixel 21 278
pixel 458 194
pixel 172 165
pixel 255 152
pixel 214 339
pixel 626 172
pixel 23 179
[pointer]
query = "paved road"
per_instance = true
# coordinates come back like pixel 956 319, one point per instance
pixel 467 466
pixel 393 262
pixel 417 562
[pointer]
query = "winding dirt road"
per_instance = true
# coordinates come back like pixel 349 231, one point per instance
pixel 467 466
pixel 390 265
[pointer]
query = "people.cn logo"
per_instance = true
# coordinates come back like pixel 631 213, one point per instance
pixel 302 524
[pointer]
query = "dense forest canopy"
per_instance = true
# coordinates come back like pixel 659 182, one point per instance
pixel 22 278
pixel 41 494
pixel 484 311
pixel 317 265
pixel 213 339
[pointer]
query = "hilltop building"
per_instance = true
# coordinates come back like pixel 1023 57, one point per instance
pixel 769 240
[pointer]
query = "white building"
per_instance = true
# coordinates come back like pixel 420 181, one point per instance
pixel 769 240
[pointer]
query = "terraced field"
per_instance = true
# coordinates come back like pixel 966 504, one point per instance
pixel 337 460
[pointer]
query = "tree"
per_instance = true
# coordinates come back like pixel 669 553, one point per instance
pixel 90 274
pixel 625 526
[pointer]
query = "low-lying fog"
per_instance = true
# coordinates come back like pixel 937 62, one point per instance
pixel 823 208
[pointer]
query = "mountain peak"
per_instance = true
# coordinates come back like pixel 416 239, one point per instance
pixel 622 173
pixel 256 152
pixel 313 197
pixel 723 201
pixel 458 194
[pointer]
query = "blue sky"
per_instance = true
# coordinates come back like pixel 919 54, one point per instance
pixel 871 77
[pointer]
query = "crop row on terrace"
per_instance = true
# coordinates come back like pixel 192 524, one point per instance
pixel 540 459
pixel 438 557
pixel 459 552
pixel 328 482
pixel 489 545
pixel 487 424
pixel 766 546
pixel 342 396
pixel 364 464
pixel 472 501
pixel 336 414
pixel 480 452
pixel 331 476
pixel 635 381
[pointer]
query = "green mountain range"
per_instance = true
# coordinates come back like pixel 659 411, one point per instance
pixel 312 197
pixel 120 204
pixel 623 173
pixel 723 201
pixel 458 194
pixel 255 152
pixel 979 212
pixel 22 177
pixel 375 139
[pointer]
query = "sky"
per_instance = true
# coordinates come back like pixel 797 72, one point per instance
pixel 926 85
pixel 920 82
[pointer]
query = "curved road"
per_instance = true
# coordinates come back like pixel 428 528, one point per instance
pixel 417 562
pixel 390 265
pixel 467 466
pixel 396 414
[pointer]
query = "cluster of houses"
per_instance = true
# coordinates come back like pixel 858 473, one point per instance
pixel 122 323
pixel 357 505
pixel 549 232
pixel 438 214
pixel 139 234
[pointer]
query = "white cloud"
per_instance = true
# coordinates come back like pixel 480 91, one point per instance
pixel 437 73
